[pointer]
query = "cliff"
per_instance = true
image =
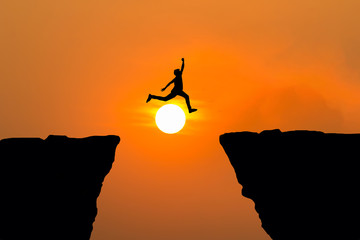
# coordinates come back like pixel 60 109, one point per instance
pixel 49 187
pixel 305 184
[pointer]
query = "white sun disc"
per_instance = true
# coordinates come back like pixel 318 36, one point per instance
pixel 170 118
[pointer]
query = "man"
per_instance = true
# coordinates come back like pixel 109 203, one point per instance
pixel 176 91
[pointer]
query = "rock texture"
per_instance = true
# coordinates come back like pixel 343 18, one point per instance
pixel 49 187
pixel 305 184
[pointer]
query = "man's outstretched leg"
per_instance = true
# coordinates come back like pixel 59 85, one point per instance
pixel 167 98
pixel 187 99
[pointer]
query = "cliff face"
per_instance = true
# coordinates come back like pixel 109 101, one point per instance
pixel 305 184
pixel 49 187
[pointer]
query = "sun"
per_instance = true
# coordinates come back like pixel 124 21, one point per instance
pixel 170 118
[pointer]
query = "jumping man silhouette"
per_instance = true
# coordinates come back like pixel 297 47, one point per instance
pixel 177 90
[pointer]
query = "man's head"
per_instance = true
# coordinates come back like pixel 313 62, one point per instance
pixel 177 72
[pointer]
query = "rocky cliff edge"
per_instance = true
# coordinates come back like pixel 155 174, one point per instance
pixel 305 184
pixel 49 188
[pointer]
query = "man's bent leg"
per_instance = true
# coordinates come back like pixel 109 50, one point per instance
pixel 187 99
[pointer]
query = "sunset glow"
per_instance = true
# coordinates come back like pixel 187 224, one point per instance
pixel 81 68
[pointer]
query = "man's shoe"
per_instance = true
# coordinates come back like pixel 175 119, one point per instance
pixel 148 99
pixel 192 110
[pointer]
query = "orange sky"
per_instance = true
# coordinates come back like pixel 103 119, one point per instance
pixel 81 68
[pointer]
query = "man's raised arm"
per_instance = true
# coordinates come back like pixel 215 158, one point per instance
pixel 182 66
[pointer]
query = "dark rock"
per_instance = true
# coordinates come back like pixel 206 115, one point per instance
pixel 305 184
pixel 49 187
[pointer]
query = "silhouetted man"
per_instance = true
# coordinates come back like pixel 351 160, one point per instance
pixel 177 90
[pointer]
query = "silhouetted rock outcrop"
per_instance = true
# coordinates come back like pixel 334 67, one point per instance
pixel 49 187
pixel 305 184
